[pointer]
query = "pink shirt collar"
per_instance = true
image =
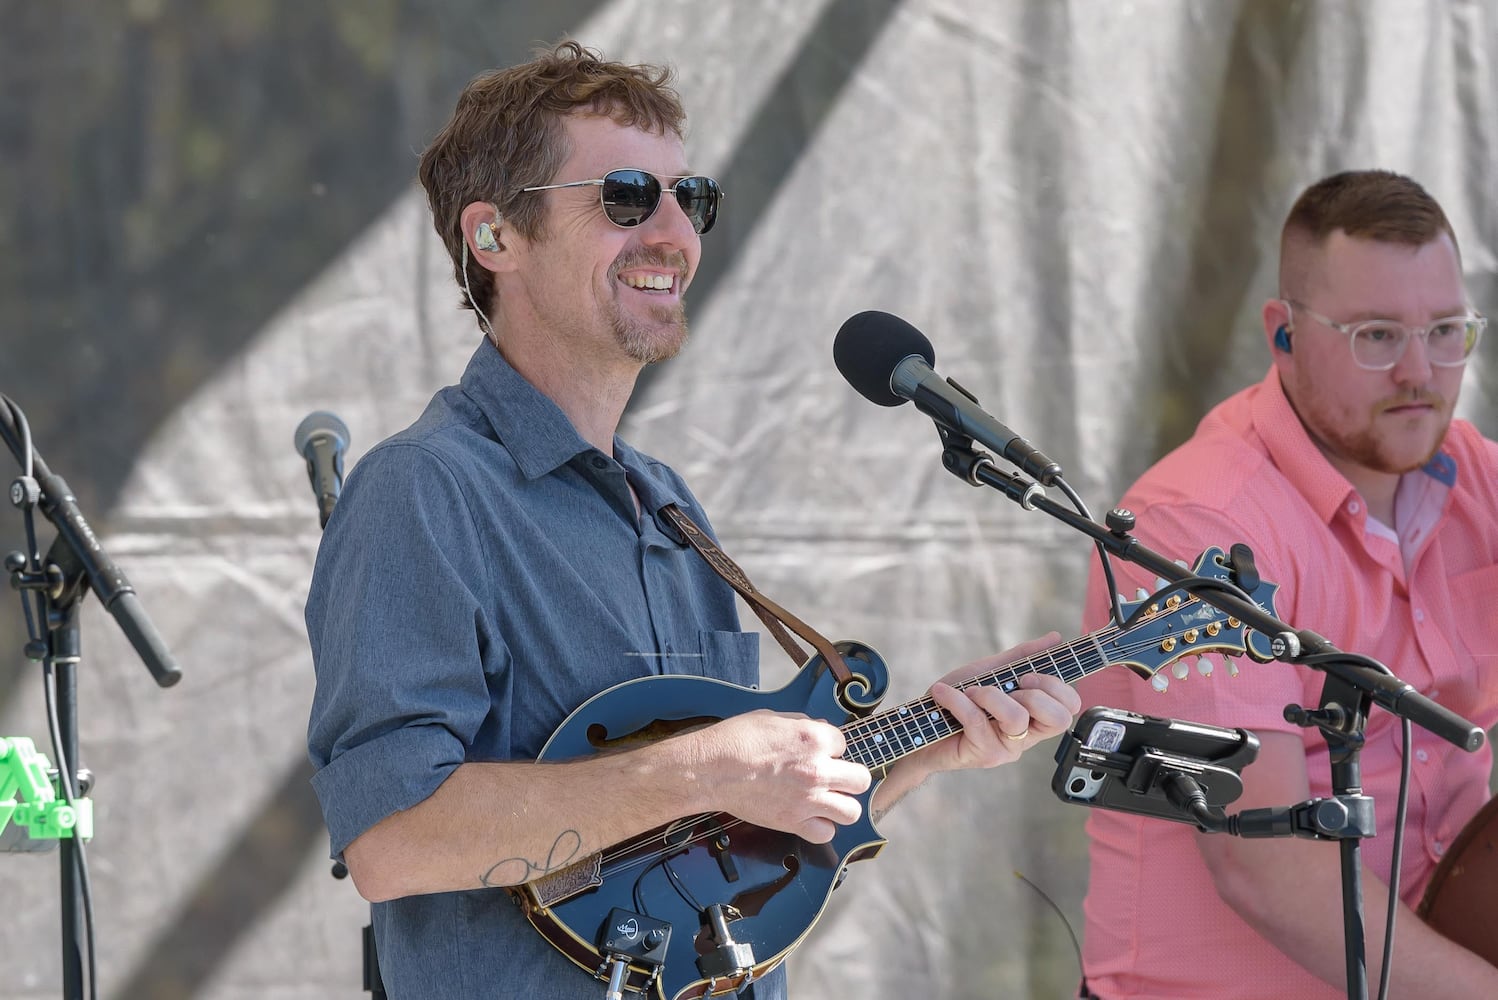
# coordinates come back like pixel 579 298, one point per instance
pixel 1294 453
pixel 1422 494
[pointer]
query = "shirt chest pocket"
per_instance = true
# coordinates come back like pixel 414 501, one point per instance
pixel 728 656
pixel 1474 599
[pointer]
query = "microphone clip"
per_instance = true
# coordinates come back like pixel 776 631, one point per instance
pixel 975 466
pixel 958 454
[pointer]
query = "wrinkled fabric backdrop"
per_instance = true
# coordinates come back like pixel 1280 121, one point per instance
pixel 211 228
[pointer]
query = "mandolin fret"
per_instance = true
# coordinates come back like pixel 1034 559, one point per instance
pixel 880 740
pixel 1149 643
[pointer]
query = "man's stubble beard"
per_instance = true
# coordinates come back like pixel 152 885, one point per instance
pixel 660 341
pixel 1367 448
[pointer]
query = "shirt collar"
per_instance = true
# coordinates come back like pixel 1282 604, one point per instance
pixel 531 427
pixel 654 488
pixel 1299 459
pixel 1294 453
pixel 541 438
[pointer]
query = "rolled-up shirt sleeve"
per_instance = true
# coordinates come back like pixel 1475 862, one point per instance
pixel 400 639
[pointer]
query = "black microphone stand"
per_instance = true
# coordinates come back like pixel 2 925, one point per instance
pixel 61 592
pixel 59 581
pixel 322 428
pixel 1341 716
pixel 1353 683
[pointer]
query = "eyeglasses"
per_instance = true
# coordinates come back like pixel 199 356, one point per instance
pixel 1378 344
pixel 631 196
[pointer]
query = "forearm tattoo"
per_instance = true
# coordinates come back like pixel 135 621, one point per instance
pixel 564 850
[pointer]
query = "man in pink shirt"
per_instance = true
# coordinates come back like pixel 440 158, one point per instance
pixel 1377 514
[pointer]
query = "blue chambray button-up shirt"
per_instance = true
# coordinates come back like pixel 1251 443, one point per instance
pixel 484 574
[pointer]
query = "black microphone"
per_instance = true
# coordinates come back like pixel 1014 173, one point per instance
pixel 889 361
pixel 77 553
pixel 321 439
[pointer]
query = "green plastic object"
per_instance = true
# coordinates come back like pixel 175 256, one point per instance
pixel 28 799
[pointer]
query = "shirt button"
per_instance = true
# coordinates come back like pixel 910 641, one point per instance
pixel 599 462
pixel 1419 615
pixel 1440 848
pixel 1353 507
pixel 1422 756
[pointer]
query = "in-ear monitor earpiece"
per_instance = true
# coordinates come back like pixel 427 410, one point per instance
pixel 484 237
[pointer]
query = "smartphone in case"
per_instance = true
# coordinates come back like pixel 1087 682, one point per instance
pixel 1115 759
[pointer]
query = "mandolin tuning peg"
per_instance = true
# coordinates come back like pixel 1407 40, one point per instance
pixel 1161 583
pixel 1183 564
pixel 1141 594
pixel 1181 669
pixel 1160 682
pixel 1232 666
pixel 1204 666
pixel 1122 599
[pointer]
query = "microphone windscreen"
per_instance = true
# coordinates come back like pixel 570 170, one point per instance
pixel 316 423
pixel 870 345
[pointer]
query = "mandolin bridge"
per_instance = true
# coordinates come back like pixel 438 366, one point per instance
pixel 564 883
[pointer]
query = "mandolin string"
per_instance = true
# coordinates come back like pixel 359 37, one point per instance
pixel 918 716
pixel 862 729
pixel 723 821
pixel 1090 660
pixel 610 868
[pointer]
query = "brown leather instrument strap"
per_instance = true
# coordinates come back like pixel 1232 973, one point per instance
pixel 776 618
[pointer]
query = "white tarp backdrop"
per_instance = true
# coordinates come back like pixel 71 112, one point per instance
pixel 1077 200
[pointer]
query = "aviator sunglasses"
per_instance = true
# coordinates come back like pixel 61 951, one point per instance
pixel 631 196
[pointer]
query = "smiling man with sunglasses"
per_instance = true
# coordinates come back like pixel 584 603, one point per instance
pixel 507 557
pixel 1377 514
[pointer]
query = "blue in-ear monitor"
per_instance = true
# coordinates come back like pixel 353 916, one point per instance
pixel 1282 338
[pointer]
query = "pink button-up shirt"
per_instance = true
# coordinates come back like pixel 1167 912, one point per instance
pixel 1427 609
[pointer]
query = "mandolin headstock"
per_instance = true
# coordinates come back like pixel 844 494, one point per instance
pixel 1176 626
